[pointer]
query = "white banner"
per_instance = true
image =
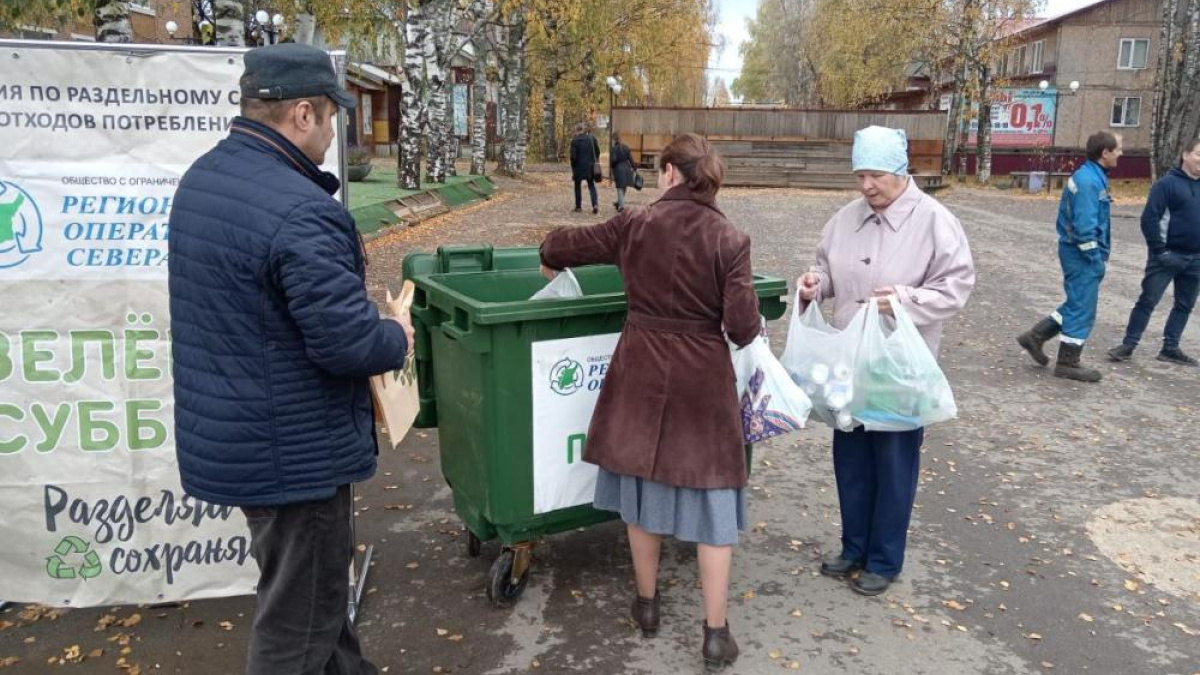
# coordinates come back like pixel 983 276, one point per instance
pixel 94 143
pixel 567 376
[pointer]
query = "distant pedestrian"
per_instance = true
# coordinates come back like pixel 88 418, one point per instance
pixel 1084 241
pixel 620 165
pixel 1171 223
pixel 585 156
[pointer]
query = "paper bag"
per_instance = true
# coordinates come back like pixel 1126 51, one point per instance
pixel 395 393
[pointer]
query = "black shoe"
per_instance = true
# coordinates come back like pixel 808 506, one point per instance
pixel 869 583
pixel 1177 357
pixel 838 567
pixel 577 210
pixel 1068 366
pixel 616 206
pixel 646 614
pixel 720 649
pixel 595 210
pixel 1122 352
pixel 1033 339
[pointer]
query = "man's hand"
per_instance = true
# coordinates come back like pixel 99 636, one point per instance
pixel 400 312
pixel 808 284
pixel 549 273
pixel 884 296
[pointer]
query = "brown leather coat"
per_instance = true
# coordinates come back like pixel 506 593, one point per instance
pixel 668 411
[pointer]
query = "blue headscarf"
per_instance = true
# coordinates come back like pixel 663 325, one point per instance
pixel 880 149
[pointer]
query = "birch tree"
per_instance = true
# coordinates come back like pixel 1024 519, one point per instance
pixel 112 21
pixel 1176 113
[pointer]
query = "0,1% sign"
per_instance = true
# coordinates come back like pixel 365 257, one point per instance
pixel 1029 118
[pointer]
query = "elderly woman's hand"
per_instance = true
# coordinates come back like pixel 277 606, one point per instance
pixel 549 273
pixel 808 285
pixel 885 295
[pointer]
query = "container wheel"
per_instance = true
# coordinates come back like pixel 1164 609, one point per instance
pixel 474 545
pixel 503 587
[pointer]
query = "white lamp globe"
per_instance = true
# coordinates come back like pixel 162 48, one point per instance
pixel 262 17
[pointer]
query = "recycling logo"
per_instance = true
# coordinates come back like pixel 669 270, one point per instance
pixel 566 377
pixel 20 225
pixel 73 549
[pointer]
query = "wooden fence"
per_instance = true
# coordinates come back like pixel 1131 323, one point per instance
pixel 783 147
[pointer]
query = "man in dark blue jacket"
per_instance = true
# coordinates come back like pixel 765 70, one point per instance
pixel 274 339
pixel 1171 224
pixel 1084 240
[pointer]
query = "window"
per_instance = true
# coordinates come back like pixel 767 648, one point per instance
pixel 1002 66
pixel 33 33
pixel 1039 48
pixel 1019 68
pixel 1133 54
pixel 1126 111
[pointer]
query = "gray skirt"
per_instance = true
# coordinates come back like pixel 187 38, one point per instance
pixel 703 516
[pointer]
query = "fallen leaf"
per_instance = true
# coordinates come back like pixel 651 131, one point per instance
pixel 227 625
pixel 774 654
pixel 797 613
pixel 1047 665
pixel 749 595
pixel 455 638
pixel 794 665
pixel 954 604
pixel 132 620
pixel 95 653
pixel 9 661
pixel 1034 636
pixel 442 632
pixel 1131 585
pixel 1086 617
pixel 413 565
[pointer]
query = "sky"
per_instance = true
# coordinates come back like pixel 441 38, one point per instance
pixel 732 27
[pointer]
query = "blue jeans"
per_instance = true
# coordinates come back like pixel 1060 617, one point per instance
pixel 876 475
pixel 1182 269
pixel 620 198
pixel 591 190
pixel 1082 275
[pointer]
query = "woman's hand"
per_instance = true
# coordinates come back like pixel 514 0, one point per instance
pixel 549 273
pixel 884 296
pixel 808 284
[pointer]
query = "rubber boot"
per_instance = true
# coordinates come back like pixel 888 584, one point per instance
pixel 1033 340
pixel 1068 366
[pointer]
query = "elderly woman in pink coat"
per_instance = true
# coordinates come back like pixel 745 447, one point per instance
pixel 894 242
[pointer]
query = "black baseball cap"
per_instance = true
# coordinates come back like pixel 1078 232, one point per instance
pixel 291 70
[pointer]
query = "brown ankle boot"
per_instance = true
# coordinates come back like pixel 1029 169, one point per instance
pixel 720 649
pixel 646 614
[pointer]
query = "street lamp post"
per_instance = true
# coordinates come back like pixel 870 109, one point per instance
pixel 614 87
pixel 1043 86
pixel 265 26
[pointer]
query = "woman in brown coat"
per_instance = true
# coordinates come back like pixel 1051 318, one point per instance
pixel 666 432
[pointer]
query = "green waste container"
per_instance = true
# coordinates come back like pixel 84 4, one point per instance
pixel 510 384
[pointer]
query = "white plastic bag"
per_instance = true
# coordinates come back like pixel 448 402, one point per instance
pixel 820 359
pixel 771 404
pixel 898 385
pixel 562 286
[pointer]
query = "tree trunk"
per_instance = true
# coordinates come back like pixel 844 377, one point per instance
pixel 112 21
pixel 512 155
pixel 409 168
pixel 479 114
pixel 954 121
pixel 1175 116
pixel 983 150
pixel 440 15
pixel 556 58
pixel 231 22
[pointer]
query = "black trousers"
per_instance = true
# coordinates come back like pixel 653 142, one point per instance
pixel 303 553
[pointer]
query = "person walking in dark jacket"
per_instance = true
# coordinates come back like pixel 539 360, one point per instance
pixel 1171 224
pixel 620 166
pixel 585 153
pixel 274 339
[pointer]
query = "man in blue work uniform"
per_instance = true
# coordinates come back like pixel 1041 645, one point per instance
pixel 1083 247
pixel 1171 223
